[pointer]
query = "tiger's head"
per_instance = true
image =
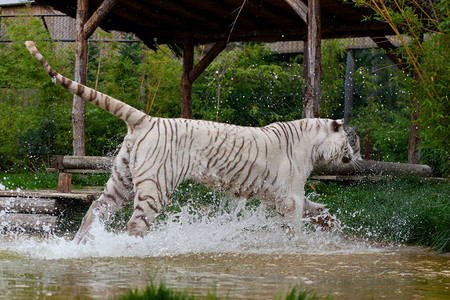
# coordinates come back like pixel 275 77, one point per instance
pixel 334 146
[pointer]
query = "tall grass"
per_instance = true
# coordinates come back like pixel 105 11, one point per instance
pixel 403 210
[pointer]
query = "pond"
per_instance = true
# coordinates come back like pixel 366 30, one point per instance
pixel 239 255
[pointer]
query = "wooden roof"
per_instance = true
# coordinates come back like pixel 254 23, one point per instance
pixel 205 21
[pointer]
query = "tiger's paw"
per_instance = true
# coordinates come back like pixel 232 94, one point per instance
pixel 323 221
pixel 81 238
pixel 136 230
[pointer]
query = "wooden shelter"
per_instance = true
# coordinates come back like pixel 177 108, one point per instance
pixel 182 24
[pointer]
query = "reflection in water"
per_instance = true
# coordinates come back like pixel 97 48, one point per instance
pixel 244 255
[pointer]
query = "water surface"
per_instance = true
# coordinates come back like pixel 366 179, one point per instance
pixel 240 255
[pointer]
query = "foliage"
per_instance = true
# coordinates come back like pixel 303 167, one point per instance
pixel 38 145
pixel 247 84
pixel 385 130
pixel 161 292
pixel 333 77
pixel 256 89
pixel 422 28
pixel 26 94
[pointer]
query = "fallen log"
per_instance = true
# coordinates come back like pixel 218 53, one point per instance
pixel 77 164
pixel 376 168
pixel 65 162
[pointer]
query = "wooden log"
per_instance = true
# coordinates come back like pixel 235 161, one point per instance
pixel 28 205
pixel 311 100
pixel 79 105
pixel 64 183
pixel 371 167
pixel 82 196
pixel 186 83
pixel 28 222
pixel 65 163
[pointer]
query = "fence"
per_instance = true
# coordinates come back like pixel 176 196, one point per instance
pixel 62 29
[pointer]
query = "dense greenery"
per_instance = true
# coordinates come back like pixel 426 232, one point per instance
pixel 247 84
pixel 404 210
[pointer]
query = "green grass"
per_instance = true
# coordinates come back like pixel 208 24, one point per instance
pixel 403 210
pixel 48 181
pixel 161 292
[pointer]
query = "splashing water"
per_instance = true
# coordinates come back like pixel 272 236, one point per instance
pixel 240 231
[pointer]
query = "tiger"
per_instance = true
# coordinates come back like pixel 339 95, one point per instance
pixel 270 163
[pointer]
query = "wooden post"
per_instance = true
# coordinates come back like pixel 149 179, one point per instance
pixel 79 106
pixel 191 73
pixel 186 83
pixel 64 183
pixel 311 101
pixel 348 87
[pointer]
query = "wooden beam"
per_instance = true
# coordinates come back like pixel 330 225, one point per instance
pixel 207 60
pixel 99 15
pixel 186 83
pixel 79 105
pixel 300 8
pixel 311 101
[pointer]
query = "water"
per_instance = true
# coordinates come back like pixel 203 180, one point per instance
pixel 241 254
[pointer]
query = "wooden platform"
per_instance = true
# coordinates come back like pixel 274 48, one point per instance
pixel 39 210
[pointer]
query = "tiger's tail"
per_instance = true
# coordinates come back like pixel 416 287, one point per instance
pixel 129 114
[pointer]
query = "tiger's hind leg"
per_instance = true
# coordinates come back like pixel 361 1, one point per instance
pixel 118 192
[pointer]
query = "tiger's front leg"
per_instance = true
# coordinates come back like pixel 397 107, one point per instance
pixel 148 201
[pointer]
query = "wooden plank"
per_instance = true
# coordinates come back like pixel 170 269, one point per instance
pixel 28 222
pixel 87 171
pixel 28 205
pixel 300 8
pixel 206 60
pixel 79 196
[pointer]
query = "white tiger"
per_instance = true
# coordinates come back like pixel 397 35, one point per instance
pixel 271 163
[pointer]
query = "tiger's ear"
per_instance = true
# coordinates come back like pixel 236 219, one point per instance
pixel 336 125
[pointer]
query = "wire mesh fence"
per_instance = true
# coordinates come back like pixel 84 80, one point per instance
pixel 62 29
